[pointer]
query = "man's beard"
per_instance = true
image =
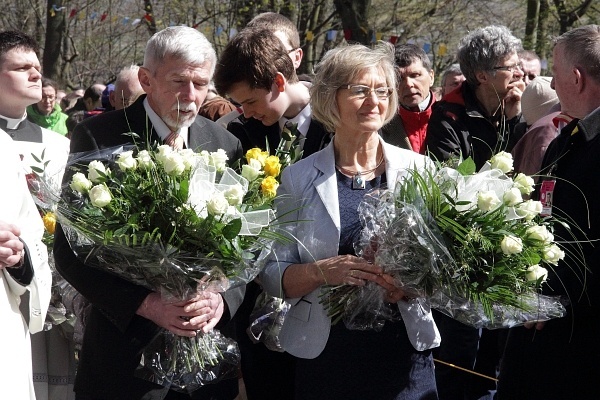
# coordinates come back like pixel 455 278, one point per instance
pixel 181 121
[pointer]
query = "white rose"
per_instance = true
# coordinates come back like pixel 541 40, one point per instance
pixel 524 183
pixel 536 272
pixel 541 233
pixel 173 164
pixel 511 245
pixel 252 170
pixel 93 171
pixel 529 209
pixel 512 197
pixel 80 183
pixel 553 254
pixel 217 205
pixel 502 161
pixel 100 195
pixel 205 156
pixel 218 159
pixel 487 200
pixel 163 151
pixel 234 195
pixel 145 160
pixel 190 158
pixel 126 161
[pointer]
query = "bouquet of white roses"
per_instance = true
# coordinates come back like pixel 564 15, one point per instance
pixel 176 222
pixel 467 242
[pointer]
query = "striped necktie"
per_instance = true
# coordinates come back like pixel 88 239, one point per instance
pixel 175 140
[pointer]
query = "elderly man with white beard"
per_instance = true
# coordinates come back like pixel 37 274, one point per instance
pixel 178 66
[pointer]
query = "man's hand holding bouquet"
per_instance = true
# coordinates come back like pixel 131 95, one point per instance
pixel 181 224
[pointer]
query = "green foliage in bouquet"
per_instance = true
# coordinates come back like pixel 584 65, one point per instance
pixel 466 242
pixel 497 241
pixel 163 206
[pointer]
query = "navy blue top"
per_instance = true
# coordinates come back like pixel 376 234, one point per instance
pixel 349 199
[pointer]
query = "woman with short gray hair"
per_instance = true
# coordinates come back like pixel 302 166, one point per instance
pixel 478 121
pixel 475 121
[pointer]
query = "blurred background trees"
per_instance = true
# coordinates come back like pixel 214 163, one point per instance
pixel 87 41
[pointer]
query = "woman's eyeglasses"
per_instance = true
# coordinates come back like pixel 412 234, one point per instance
pixel 509 68
pixel 362 91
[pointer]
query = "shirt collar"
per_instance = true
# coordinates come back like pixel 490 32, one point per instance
pixel 13 123
pixel 424 104
pixel 159 125
pixel 303 120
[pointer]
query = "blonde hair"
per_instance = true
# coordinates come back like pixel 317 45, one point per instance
pixel 342 65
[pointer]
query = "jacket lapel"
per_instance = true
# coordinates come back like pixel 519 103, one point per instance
pixel 326 183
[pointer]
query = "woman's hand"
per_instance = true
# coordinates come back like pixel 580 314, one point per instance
pixel 301 279
pixel 393 293
pixel 348 270
pixel 512 100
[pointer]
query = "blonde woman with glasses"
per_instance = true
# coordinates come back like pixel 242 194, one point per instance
pixel 352 95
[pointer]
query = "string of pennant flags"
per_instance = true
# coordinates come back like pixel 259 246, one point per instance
pixel 330 35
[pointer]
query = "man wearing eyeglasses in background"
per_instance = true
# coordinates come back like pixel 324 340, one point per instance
pixel 530 65
pixel 408 128
pixel 47 113
pixel 476 121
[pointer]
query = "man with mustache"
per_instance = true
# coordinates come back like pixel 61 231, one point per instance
pixel 125 317
pixel 409 127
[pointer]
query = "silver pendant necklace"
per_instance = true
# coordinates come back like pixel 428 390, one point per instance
pixel 358 182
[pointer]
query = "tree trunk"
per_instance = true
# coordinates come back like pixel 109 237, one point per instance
pixel 531 24
pixel 542 45
pixel 55 29
pixel 354 15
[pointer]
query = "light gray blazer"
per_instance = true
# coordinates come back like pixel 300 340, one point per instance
pixel 308 195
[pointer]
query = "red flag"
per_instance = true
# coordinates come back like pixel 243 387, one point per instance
pixel 393 39
pixel 347 34
pixel 73 13
pixel 103 17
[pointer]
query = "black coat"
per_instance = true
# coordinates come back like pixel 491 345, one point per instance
pixel 561 360
pixel 115 336
pixel 458 127
pixel 252 133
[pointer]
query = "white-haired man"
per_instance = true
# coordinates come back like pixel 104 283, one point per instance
pixel 127 88
pixel 125 317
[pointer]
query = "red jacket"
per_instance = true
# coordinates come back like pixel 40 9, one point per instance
pixel 415 124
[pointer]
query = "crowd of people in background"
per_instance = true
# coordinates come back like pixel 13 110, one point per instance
pixel 368 112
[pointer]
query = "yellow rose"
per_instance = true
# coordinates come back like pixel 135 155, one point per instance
pixel 257 154
pixel 49 222
pixel 272 166
pixel 269 186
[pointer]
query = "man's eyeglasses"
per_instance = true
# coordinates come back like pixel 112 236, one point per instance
pixel 509 68
pixel 362 91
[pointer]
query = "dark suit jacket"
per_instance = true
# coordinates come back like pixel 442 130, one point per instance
pixel 115 336
pixel 252 133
